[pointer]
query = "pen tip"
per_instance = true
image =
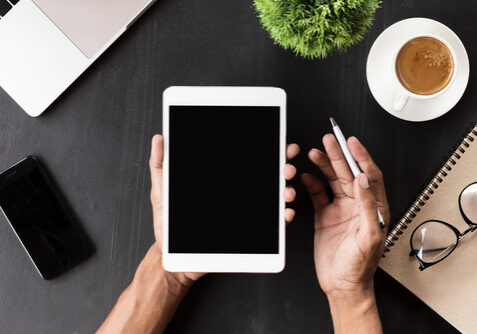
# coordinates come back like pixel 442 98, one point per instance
pixel 333 122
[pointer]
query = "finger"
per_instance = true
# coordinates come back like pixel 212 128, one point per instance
pixel 321 160
pixel 339 163
pixel 369 227
pixel 316 189
pixel 157 153
pixel 289 194
pixel 290 172
pixel 374 174
pixel 289 215
pixel 292 151
pixel 155 165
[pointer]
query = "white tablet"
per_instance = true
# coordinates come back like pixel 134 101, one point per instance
pixel 224 155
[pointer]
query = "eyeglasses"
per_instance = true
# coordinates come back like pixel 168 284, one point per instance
pixel 434 240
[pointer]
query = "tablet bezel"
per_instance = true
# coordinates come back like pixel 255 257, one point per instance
pixel 224 96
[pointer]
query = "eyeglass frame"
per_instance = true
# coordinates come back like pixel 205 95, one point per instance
pixel 459 235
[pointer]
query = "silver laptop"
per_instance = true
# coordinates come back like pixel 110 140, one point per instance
pixel 46 44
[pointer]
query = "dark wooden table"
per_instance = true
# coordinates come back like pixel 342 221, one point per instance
pixel 95 142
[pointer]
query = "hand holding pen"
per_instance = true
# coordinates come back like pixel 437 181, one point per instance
pixel 348 240
pixel 349 159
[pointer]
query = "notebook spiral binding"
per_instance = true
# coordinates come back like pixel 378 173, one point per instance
pixel 464 142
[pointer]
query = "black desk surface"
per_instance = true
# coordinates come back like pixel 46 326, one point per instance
pixel 95 139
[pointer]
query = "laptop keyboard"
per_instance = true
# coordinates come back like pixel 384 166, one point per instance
pixel 6 5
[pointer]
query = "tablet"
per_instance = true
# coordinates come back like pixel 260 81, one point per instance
pixel 224 156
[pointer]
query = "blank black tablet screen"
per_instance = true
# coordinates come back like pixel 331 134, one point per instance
pixel 224 179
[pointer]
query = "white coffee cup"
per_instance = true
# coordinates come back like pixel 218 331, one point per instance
pixel 403 95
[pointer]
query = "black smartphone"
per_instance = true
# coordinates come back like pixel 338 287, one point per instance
pixel 40 219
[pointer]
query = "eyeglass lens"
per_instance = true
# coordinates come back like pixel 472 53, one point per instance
pixel 468 202
pixel 433 241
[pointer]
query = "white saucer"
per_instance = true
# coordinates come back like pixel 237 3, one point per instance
pixel 379 70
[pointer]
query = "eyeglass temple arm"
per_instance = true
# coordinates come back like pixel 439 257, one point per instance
pixel 470 229
pixel 430 250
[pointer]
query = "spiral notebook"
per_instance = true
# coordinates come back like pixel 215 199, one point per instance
pixel 449 287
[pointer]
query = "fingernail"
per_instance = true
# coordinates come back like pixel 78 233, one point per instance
pixel 363 181
pixel 353 139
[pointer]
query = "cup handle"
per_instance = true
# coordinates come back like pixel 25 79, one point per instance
pixel 400 101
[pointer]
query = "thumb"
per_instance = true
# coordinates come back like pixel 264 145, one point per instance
pixel 367 206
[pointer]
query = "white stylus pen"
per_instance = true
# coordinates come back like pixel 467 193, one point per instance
pixel 349 158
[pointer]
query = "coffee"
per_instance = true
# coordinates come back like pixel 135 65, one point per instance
pixel 424 65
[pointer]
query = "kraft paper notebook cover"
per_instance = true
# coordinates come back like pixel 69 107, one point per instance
pixel 449 287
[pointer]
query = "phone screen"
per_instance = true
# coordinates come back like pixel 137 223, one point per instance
pixel 224 179
pixel 40 220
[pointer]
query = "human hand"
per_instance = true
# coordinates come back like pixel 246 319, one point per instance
pixel 155 164
pixel 348 240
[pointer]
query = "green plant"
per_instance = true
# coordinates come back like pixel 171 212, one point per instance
pixel 316 28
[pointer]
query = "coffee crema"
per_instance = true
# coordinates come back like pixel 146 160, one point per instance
pixel 424 65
